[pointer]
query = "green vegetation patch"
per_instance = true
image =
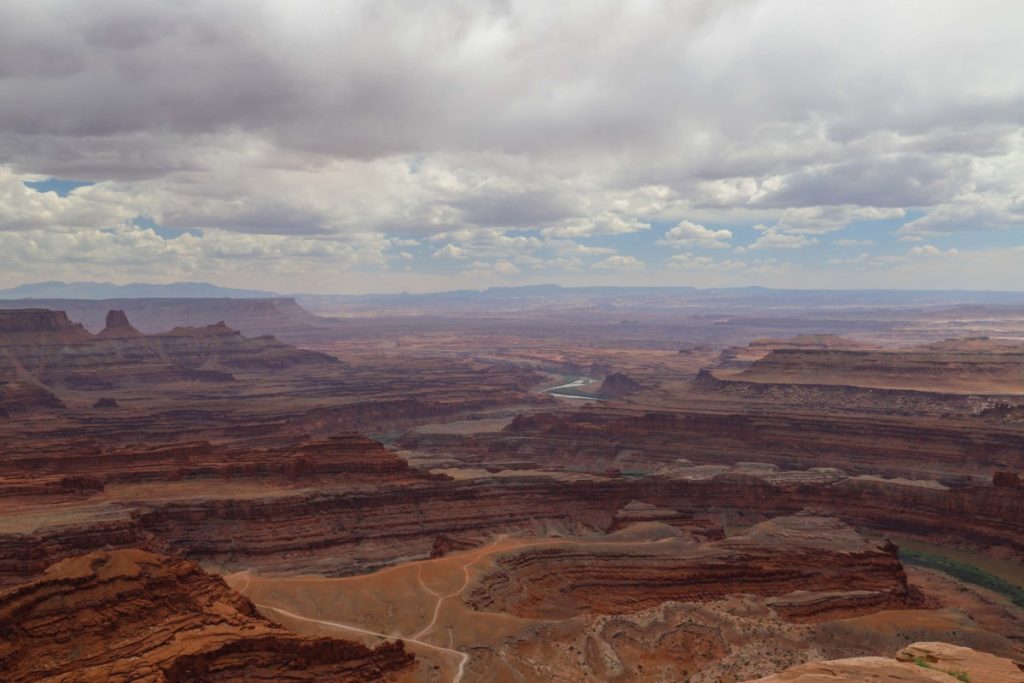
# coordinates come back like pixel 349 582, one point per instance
pixel 958 675
pixel 965 572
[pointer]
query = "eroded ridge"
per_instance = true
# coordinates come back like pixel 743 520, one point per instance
pixel 817 566
pixel 132 615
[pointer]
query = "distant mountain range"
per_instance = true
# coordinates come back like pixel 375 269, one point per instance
pixel 526 296
pixel 691 298
pixel 135 290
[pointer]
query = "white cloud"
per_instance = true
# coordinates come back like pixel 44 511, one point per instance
pixel 322 122
pixel 566 263
pixel 861 259
pixel 689 261
pixel 984 214
pixel 23 208
pixel 931 250
pixel 688 234
pixel 605 223
pixel 479 269
pixel 817 220
pixel 853 243
pixel 620 262
pixel 451 251
pixel 127 252
pixel 505 268
pixel 772 238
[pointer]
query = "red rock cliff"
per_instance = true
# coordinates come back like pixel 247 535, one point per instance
pixel 131 615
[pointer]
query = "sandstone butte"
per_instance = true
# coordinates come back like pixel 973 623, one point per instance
pixel 135 616
pixel 917 663
pixel 51 350
pixel 617 385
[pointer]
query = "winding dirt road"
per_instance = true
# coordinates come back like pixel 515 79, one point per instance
pixel 468 559
pixel 463 657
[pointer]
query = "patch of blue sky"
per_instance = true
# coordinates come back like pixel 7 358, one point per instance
pixel 165 232
pixel 61 186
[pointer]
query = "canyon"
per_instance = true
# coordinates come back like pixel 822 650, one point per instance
pixel 129 615
pixel 398 496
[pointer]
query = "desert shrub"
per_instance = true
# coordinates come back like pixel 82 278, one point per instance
pixel 965 572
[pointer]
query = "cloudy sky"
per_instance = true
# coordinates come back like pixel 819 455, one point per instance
pixel 333 146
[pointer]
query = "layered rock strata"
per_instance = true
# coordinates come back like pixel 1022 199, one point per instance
pixel 25 397
pixel 131 615
pixel 345 453
pixel 948 448
pixel 821 567
pixel 998 370
pixel 351 531
pixel 118 327
pixel 46 347
pixel 282 317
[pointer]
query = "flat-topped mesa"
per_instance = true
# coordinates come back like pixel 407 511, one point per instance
pixel 741 357
pixel 223 346
pixel 982 343
pixel 132 615
pixel 35 325
pixel 215 330
pixel 809 568
pixel 60 354
pixel 349 453
pixel 950 368
pixel 892 446
pixel 282 317
pixel 118 327
pixel 810 341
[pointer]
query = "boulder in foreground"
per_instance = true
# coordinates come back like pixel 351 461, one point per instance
pixel 918 663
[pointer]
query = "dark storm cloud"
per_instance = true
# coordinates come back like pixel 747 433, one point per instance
pixel 518 209
pixel 906 180
pixel 313 117
pixel 373 78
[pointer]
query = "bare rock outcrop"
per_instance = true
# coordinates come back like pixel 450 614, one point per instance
pixel 17 396
pixel 118 327
pixel 910 446
pixel 994 370
pixel 349 454
pixel 132 615
pixel 281 317
pixel 32 325
pixel 931 662
pixel 980 667
pixel 811 567
pixel 617 385
pixel 48 349
pixel 638 512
